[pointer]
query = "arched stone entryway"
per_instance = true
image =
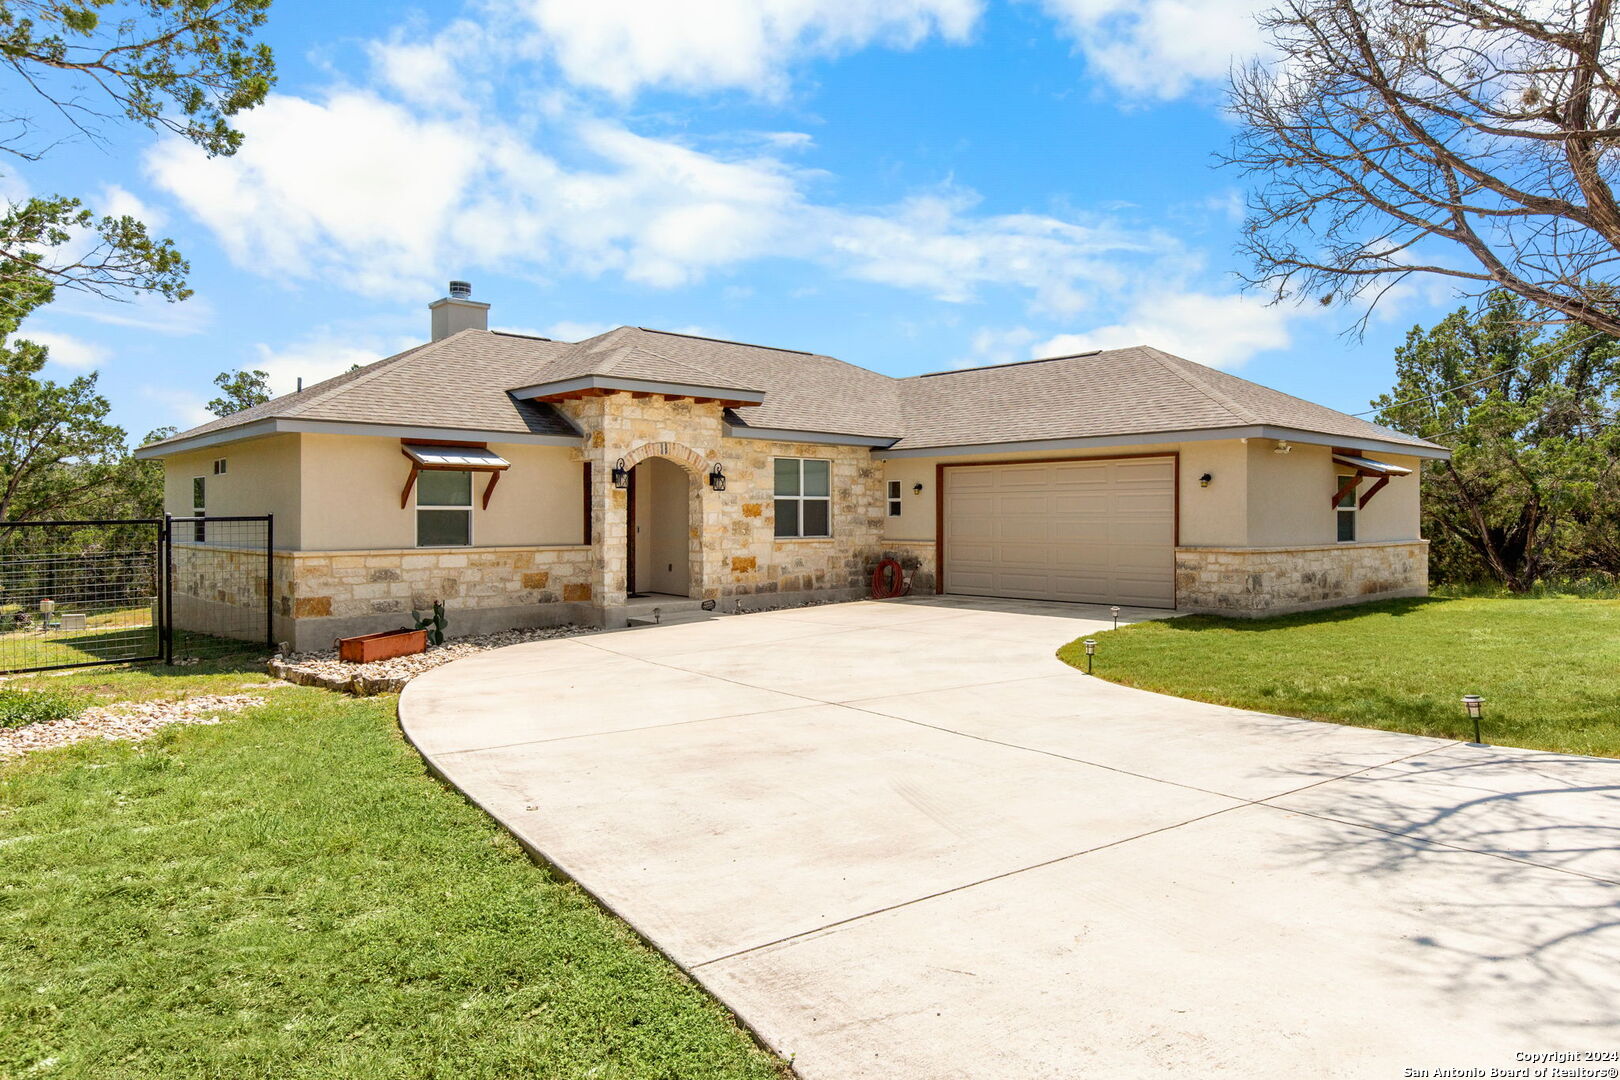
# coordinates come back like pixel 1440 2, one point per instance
pixel 658 500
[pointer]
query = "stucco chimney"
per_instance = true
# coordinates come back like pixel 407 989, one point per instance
pixel 458 311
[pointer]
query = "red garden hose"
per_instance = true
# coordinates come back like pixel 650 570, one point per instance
pixel 886 587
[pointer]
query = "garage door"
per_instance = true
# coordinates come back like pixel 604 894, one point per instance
pixel 1088 531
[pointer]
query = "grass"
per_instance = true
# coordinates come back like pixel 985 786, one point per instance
pixel 288 895
pixel 20 707
pixel 1549 669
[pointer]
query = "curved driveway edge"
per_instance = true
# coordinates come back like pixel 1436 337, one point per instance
pixel 901 840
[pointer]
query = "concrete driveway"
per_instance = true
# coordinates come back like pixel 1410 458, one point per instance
pixel 901 840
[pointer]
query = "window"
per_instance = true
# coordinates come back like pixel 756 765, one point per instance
pixel 444 508
pixel 199 507
pixel 803 497
pixel 894 498
pixel 1346 510
pixel 219 466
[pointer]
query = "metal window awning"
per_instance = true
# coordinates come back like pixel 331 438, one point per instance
pixel 1365 466
pixel 451 457
pixel 1371 467
pixel 475 458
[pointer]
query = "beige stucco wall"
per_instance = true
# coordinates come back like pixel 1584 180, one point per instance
pixel 262 477
pixel 1293 504
pixel 351 486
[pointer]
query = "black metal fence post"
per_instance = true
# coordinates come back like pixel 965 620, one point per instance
pixel 270 582
pixel 168 588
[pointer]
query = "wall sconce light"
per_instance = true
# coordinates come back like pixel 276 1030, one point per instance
pixel 717 477
pixel 1203 481
pixel 1476 708
pixel 916 489
pixel 621 475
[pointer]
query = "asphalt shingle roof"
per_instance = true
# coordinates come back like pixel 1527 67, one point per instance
pixel 1133 391
pixel 462 382
pixel 459 382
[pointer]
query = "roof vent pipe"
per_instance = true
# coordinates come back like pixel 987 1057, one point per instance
pixel 458 311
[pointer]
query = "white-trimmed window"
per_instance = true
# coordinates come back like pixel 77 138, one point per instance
pixel 894 498
pixel 219 466
pixel 803 497
pixel 199 507
pixel 444 508
pixel 1346 510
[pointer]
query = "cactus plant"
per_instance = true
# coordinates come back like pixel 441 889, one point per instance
pixel 434 624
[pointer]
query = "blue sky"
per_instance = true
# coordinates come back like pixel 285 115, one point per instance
pixel 910 186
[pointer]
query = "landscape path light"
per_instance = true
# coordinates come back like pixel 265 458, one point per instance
pixel 1476 708
pixel 1091 650
pixel 1114 611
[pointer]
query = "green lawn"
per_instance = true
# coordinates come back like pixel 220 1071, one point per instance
pixel 1549 669
pixel 288 895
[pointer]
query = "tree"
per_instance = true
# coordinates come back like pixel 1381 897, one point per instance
pixel 185 66
pixel 1533 486
pixel 243 390
pixel 58 453
pixel 1473 139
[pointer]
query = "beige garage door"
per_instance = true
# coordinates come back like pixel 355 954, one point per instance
pixel 1091 531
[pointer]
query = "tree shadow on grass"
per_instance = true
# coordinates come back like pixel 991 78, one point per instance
pixel 1324 617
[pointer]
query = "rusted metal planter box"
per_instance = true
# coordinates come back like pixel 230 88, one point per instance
pixel 386 645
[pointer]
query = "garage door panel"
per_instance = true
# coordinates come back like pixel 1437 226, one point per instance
pixel 1097 532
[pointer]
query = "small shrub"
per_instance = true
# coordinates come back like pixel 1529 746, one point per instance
pixel 19 706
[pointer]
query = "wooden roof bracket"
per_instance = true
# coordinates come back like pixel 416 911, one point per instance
pixel 1367 498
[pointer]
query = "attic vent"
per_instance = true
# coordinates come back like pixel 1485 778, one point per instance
pixel 461 290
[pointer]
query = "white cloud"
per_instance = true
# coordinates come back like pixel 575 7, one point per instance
pixel 68 351
pixel 182 408
pixel 143 311
pixel 367 194
pixel 991 346
pixel 1221 331
pixel 354 188
pixel 621 46
pixel 322 355
pixel 116 201
pixel 1160 48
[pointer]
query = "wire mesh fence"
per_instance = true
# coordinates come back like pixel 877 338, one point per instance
pixel 217 596
pixel 77 593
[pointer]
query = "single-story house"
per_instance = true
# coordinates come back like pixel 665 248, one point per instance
pixel 530 482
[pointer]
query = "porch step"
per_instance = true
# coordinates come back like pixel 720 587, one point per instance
pixel 673 618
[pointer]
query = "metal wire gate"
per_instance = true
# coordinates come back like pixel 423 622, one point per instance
pixel 116 591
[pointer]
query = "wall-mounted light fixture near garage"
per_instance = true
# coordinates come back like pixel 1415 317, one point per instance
pixel 1476 709
pixel 916 489
pixel 717 477
pixel 621 475
pixel 1203 481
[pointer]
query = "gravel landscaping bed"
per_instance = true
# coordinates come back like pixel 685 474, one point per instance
pixel 390 676
pixel 126 720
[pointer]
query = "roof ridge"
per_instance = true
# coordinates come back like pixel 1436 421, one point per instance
pixel 724 341
pixel 1171 363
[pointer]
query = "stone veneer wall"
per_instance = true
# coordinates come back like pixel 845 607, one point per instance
pixel 218 590
pixel 736 558
pixel 1275 581
pixel 917 559
pixel 325 594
